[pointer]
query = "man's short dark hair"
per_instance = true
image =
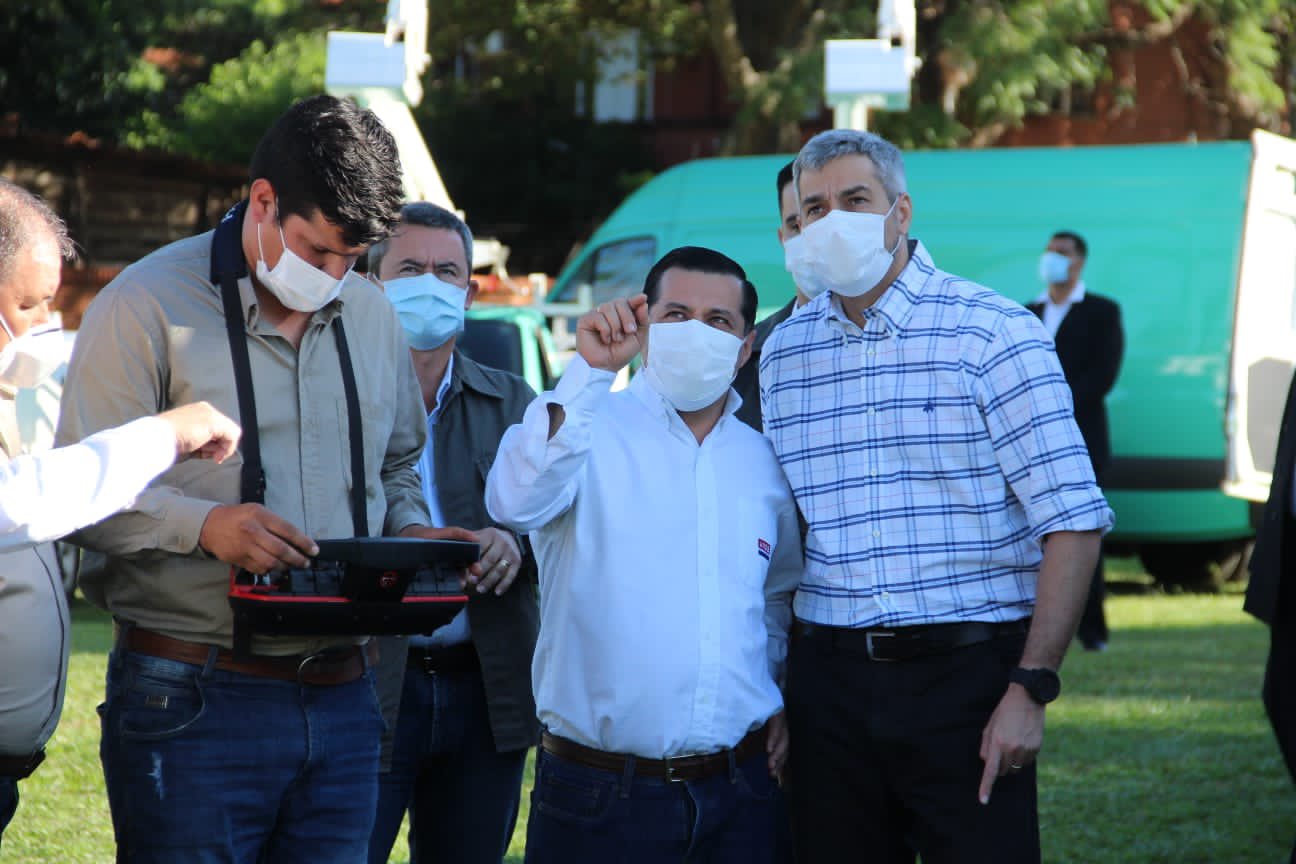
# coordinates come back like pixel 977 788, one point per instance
pixel 784 178
pixel 26 219
pixel 428 215
pixel 1081 246
pixel 330 155
pixel 699 259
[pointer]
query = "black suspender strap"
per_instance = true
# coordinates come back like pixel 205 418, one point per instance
pixel 355 432
pixel 228 266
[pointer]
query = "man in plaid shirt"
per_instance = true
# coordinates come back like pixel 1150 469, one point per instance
pixel 926 428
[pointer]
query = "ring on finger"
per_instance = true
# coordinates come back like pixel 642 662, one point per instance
pixel 1015 766
pixel 504 563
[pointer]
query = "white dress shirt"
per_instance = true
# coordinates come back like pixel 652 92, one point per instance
pixel 1055 312
pixel 48 495
pixel 666 567
pixel 43 497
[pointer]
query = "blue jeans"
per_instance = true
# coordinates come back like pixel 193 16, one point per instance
pixel 8 802
pixel 204 765
pixel 461 793
pixel 583 815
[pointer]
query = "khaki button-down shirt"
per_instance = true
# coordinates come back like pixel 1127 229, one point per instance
pixel 155 338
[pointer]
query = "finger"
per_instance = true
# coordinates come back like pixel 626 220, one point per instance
pixel 625 316
pixel 288 533
pixel 613 321
pixel 283 555
pixel 988 776
pixel 598 325
pixel 495 575
pixel 507 582
pixel 639 306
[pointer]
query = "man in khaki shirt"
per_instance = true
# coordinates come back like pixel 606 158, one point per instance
pixel 209 756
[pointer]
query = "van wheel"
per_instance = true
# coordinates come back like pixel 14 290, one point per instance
pixel 1197 567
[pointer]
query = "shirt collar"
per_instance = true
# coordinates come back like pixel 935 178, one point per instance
pixel 659 407
pixel 435 413
pixel 899 299
pixel 252 307
pixel 469 374
pixel 1077 295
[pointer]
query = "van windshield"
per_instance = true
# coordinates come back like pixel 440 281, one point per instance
pixel 615 270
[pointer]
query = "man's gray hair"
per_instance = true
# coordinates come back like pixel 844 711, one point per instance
pixel 428 215
pixel 26 219
pixel 836 143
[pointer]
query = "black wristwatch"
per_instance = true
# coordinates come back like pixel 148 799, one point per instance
pixel 1043 685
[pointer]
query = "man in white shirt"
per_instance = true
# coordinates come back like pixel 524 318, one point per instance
pixel 43 497
pixel 667 544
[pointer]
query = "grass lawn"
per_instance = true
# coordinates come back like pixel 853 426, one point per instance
pixel 1158 751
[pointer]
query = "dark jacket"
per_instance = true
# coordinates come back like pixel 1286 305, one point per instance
pixel 1268 596
pixel 747 382
pixel 479 406
pixel 1090 344
pixel 1275 551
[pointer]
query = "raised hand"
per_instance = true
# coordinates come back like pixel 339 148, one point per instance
pixel 608 336
pixel 202 431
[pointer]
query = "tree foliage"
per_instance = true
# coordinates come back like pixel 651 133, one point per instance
pixel 224 117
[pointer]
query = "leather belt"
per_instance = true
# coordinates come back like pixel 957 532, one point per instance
pixel 459 660
pixel 340 665
pixel 676 769
pixel 21 767
pixel 889 644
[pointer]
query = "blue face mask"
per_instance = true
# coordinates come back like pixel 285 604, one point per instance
pixel 1053 267
pixel 431 311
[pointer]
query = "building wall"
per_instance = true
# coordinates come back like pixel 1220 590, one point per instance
pixel 119 205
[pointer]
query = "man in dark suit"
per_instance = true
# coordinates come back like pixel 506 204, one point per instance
pixel 746 382
pixel 1269 599
pixel 1086 329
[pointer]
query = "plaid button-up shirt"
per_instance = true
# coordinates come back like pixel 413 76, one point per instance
pixel 929 452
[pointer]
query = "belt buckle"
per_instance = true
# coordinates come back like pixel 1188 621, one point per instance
pixel 671 776
pixel 869 636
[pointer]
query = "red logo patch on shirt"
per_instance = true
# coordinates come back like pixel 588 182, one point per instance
pixel 763 548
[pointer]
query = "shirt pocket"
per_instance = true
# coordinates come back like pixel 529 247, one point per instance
pixel 753 547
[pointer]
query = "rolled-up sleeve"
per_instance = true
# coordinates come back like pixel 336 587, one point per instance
pixel 1026 403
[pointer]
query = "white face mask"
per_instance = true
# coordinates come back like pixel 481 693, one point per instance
pixel 30 359
pixel 845 252
pixel 796 262
pixel 295 283
pixel 1054 268
pixel 690 364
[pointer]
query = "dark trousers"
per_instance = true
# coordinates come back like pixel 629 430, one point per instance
pixel 8 802
pixel 885 760
pixel 462 795
pixel 585 815
pixel 1093 622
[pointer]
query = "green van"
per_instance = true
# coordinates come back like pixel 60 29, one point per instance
pixel 1165 226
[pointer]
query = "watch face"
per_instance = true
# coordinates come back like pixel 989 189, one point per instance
pixel 1047 685
pixel 1043 685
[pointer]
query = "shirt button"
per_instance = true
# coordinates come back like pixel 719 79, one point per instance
pixel 886 593
pixel 872 410
pixel 870 352
pixel 873 472
pixel 877 533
